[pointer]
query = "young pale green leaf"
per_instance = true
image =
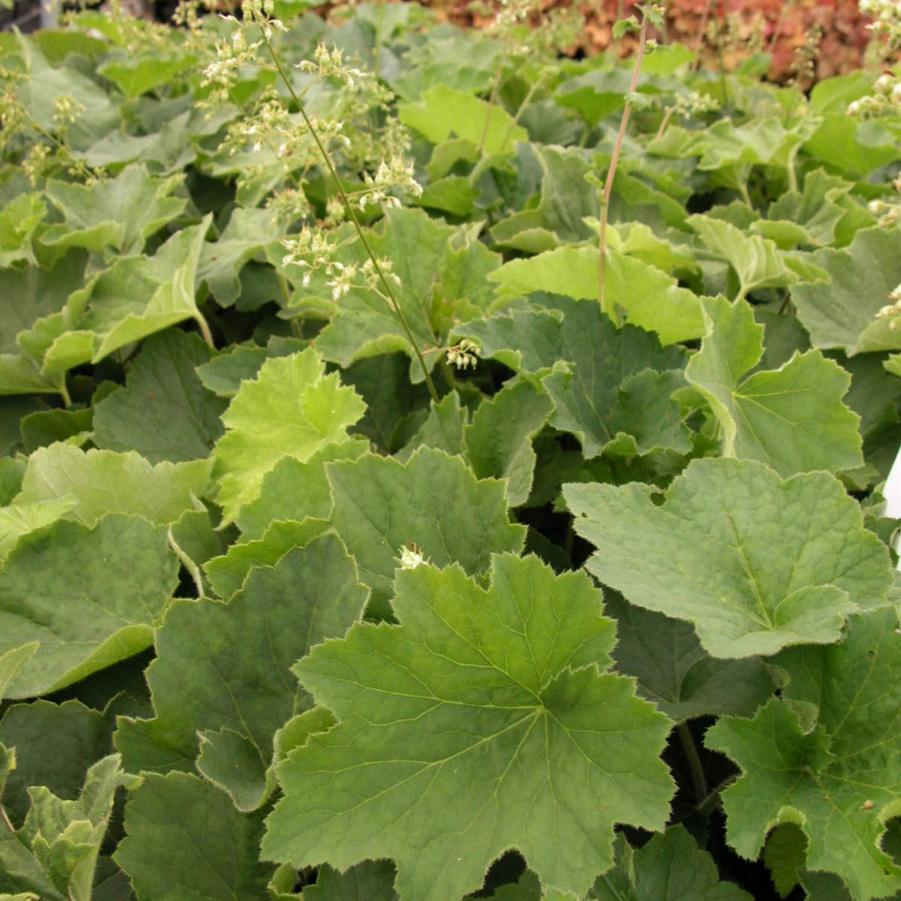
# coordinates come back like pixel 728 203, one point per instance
pixel 670 867
pixel 444 111
pixel 842 313
pixel 674 672
pixel 211 851
pixel 96 483
pixel 89 596
pixel 291 409
pixel 138 75
pixel 119 213
pixel 11 662
pixel 21 518
pixel 817 207
pixel 163 412
pixel 499 438
pixel 755 563
pixel 793 417
pixel 837 778
pixel 433 503
pixel 479 724
pixel 222 669
pixel 650 298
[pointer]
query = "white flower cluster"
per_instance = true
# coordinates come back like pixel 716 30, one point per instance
pixel 885 27
pixel 392 177
pixel 231 56
pixel 464 354
pixel 411 556
pixel 66 109
pixel 892 310
pixel 695 103
pixel 313 251
pixel 885 99
pixel 330 64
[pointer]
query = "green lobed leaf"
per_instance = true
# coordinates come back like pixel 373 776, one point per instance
pixel 755 563
pixel 670 867
pixel 211 850
pixel 163 412
pixel 835 778
pixel 95 483
pixel 221 670
pixel 120 213
pixel 793 417
pixel 291 409
pixel 467 730
pixel 90 596
pixel 432 502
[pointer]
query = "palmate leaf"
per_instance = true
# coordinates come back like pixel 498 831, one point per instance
pixel 499 439
pixel 90 597
pixel 81 735
pixel 203 683
pixel 484 722
pixel 444 111
pixel 825 757
pixel 674 672
pixel 670 867
pixel 609 385
pixel 18 221
pixel 163 412
pixel 211 851
pixel 755 563
pixel 291 409
pixel 842 313
pixel 650 298
pixel 433 502
pixel 135 297
pixel 756 261
pixel 120 213
pixel 92 484
pixel 56 850
pixel 793 417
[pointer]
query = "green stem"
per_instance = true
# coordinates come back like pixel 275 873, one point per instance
pixel 351 214
pixel 611 170
pixel 745 195
pixel 188 563
pixel 713 800
pixel 695 767
pixel 522 107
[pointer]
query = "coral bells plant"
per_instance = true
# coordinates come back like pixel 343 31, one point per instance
pixel 435 467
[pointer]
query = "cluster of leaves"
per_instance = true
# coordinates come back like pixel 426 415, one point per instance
pixel 611 615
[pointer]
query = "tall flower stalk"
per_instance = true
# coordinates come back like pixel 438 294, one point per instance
pixel 651 14
pixel 259 14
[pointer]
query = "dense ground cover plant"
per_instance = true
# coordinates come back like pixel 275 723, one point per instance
pixel 354 543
